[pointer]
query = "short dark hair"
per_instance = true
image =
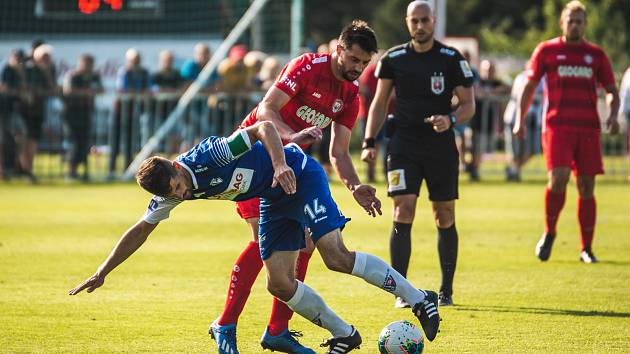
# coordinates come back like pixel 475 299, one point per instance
pixel 154 175
pixel 87 57
pixel 358 32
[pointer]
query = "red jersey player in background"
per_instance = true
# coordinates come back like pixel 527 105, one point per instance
pixel 312 92
pixel 574 69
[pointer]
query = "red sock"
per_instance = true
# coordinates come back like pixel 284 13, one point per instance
pixel 553 205
pixel 244 273
pixel 280 312
pixel 587 210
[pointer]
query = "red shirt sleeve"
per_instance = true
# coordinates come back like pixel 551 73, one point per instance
pixel 605 74
pixel 293 78
pixel 349 116
pixel 537 63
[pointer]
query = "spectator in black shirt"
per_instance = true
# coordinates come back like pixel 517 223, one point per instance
pixel 12 91
pixel 425 74
pixel 41 84
pixel 167 78
pixel 167 84
pixel 80 86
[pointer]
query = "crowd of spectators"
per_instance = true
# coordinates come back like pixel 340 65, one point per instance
pixel 28 81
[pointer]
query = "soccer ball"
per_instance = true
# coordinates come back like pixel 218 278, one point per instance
pixel 400 337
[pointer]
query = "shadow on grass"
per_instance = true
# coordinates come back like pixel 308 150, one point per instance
pixel 541 311
pixel 607 262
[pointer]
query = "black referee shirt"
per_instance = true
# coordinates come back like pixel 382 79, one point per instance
pixel 424 84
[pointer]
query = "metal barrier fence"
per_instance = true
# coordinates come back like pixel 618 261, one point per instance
pixel 121 125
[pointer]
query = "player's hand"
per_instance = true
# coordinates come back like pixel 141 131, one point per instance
pixel 365 195
pixel 368 155
pixel 91 284
pixel 283 175
pixel 307 136
pixel 612 124
pixel 440 122
pixel 519 129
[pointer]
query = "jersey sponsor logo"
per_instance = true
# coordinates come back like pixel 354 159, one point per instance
pixel 447 51
pixel 289 83
pixel 200 168
pixel 313 117
pixel 337 106
pixel 575 71
pixel 588 59
pixel 239 184
pixel 396 180
pixel 466 70
pixel 437 83
pixel 396 53
pixel 319 60
pixel 317 95
pixel 154 203
pixel 215 181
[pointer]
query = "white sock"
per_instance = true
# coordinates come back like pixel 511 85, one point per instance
pixel 376 272
pixel 308 304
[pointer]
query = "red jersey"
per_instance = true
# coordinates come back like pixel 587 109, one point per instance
pixel 573 72
pixel 368 82
pixel 317 97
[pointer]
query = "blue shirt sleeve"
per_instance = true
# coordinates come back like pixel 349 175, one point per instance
pixel 211 152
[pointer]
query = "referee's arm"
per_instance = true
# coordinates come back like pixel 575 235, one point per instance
pixel 376 117
pixel 466 103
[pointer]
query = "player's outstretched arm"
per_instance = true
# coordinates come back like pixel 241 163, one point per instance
pixel 267 133
pixel 131 240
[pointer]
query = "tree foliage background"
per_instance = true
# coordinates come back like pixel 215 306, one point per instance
pixel 502 27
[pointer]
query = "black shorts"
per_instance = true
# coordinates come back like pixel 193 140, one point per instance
pixel 406 171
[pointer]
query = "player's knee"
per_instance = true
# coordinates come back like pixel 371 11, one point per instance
pixel 559 179
pixel 586 187
pixel 444 222
pixel 341 261
pixel 403 213
pixel 283 289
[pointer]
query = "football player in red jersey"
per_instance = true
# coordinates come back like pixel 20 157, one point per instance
pixel 312 92
pixel 574 69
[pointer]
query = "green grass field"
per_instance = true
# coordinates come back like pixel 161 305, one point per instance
pixel 163 298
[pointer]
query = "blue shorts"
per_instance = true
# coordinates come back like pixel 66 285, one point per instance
pixel 282 220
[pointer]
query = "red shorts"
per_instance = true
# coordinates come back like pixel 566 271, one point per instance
pixel 249 208
pixel 579 150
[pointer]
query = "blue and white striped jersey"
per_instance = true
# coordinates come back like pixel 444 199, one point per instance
pixel 218 174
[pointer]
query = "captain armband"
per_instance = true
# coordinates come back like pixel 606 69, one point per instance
pixel 239 143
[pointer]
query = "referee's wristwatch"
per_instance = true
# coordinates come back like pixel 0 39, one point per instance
pixel 368 143
pixel 453 119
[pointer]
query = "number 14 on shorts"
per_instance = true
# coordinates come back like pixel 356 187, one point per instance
pixel 314 210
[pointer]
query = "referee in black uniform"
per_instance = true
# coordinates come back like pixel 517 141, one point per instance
pixel 425 74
